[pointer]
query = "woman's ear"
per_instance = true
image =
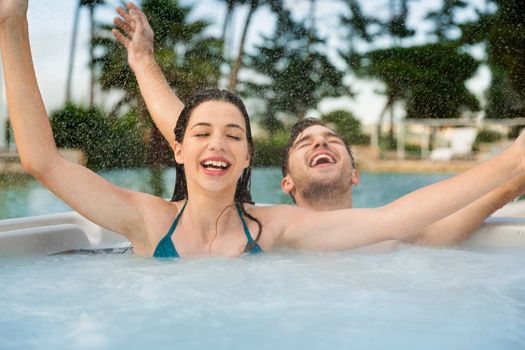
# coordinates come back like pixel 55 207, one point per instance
pixel 177 151
pixel 247 160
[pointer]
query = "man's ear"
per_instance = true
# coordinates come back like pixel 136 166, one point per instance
pixel 355 177
pixel 177 151
pixel 287 185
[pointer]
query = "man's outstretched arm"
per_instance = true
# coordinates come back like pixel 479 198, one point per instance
pixel 137 37
pixel 458 227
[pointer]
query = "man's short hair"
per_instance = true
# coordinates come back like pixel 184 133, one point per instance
pixel 297 129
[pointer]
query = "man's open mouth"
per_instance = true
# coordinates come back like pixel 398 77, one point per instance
pixel 321 159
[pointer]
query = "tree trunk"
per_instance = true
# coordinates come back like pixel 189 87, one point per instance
pixel 72 51
pixel 227 21
pixel 238 61
pixel 91 66
pixel 391 141
pixel 381 117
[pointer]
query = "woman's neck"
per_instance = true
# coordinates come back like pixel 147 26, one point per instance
pixel 203 211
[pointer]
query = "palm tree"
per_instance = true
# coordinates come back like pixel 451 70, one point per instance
pixel 236 66
pixel 275 6
pixel 91 5
pixel 230 5
pixel 298 72
pixel 429 79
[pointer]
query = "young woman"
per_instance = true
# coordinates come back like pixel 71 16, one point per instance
pixel 212 214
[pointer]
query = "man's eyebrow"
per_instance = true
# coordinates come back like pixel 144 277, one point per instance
pixel 301 139
pixel 327 133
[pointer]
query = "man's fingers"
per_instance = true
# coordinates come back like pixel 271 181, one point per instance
pixel 120 37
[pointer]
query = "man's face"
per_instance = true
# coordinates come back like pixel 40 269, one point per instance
pixel 320 163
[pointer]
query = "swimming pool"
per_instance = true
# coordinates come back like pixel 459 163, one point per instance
pixel 26 197
pixel 412 299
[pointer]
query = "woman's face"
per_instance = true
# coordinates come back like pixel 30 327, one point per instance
pixel 215 149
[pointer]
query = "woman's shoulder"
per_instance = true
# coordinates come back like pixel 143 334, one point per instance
pixel 157 216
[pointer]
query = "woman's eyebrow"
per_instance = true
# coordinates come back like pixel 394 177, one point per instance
pixel 200 124
pixel 236 126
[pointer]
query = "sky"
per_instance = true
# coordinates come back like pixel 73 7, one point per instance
pixel 51 23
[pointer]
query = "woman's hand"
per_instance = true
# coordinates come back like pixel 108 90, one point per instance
pixel 138 35
pixel 12 9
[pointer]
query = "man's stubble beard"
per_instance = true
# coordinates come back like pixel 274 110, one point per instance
pixel 322 190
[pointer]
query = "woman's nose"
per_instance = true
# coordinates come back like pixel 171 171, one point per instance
pixel 217 143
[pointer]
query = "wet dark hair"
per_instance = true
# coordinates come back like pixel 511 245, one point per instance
pixel 297 129
pixel 242 191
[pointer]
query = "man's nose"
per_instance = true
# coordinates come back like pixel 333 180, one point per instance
pixel 320 142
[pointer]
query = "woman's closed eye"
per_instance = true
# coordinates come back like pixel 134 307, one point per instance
pixel 234 137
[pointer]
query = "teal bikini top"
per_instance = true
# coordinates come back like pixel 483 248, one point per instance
pixel 166 249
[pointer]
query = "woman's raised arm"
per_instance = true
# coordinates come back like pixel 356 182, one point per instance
pixel 405 217
pixel 163 104
pixel 85 191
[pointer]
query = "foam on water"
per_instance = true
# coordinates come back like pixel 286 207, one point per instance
pixel 412 299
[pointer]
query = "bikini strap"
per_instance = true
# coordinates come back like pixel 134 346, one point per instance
pixel 176 221
pixel 245 227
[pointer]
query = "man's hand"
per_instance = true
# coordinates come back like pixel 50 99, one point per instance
pixel 135 34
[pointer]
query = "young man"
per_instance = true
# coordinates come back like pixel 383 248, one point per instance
pixel 319 172
pixel 318 166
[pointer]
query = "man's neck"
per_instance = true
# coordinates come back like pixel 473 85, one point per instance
pixel 326 203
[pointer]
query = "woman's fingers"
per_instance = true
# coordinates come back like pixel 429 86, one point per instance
pixel 137 20
pixel 138 15
pixel 126 17
pixel 124 26
pixel 120 37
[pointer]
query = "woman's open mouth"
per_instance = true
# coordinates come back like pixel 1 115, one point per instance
pixel 215 166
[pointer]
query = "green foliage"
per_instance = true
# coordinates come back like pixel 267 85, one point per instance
pixel 346 125
pixel 412 150
pixel 503 33
pixel 106 144
pixel 503 101
pixel 297 73
pixel 189 58
pixel 487 136
pixel 268 151
pixel 430 79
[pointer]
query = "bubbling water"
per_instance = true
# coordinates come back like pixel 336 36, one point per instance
pixel 411 299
